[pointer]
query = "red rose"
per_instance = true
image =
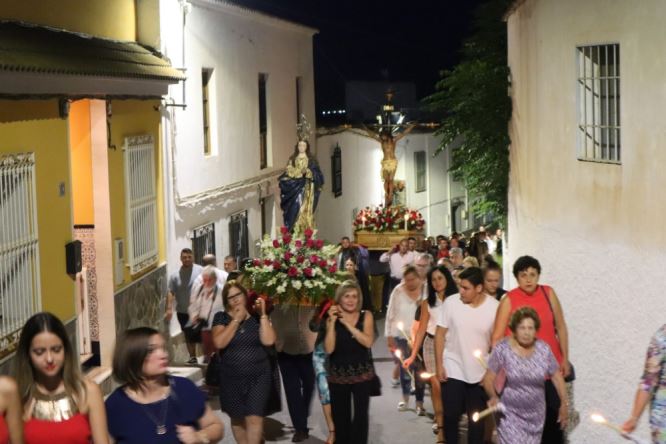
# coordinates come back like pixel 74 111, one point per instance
pixel 287 256
pixel 286 239
pixel 276 264
pixel 332 269
pixel 256 262
pixel 308 272
pixel 309 243
pixel 292 272
pixel 300 259
pixel 284 230
pixel 319 243
pixel 323 263
pixel 314 259
pixel 267 262
pixel 298 243
pixel 276 243
pixel 308 233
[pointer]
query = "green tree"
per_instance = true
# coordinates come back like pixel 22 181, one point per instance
pixel 474 101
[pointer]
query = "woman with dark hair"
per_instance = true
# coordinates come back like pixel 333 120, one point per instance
pixel 351 267
pixel 150 405
pixel 349 337
pixel 553 331
pixel 440 286
pixel 60 405
pixel 300 185
pixel 245 368
pixel 11 423
pixel 526 362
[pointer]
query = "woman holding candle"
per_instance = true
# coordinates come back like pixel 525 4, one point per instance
pixel 349 337
pixel 440 286
pixel 652 390
pixel 553 331
pixel 527 362
pixel 402 306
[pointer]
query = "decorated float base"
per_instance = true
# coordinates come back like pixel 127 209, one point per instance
pixel 386 239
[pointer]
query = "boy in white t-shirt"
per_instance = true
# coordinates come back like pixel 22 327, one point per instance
pixel 465 325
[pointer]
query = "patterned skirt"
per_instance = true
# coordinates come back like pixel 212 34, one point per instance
pixel 429 354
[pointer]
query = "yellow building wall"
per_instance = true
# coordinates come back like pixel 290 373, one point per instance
pixel 47 138
pixel 133 118
pixel 81 158
pixel 113 19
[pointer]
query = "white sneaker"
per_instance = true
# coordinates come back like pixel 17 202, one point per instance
pixel 402 406
pixel 420 411
pixel 395 383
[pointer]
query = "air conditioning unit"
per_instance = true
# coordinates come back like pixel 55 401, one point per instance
pixel 118 261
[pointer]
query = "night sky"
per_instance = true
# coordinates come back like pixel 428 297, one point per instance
pixel 377 40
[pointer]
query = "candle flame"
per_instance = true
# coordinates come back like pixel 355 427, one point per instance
pixel 477 354
pixel 598 418
pixel 400 325
pixel 475 416
pixel 398 354
pixel 426 375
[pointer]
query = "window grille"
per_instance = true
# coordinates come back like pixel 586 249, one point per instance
pixel 599 103
pixel 336 171
pixel 20 292
pixel 203 242
pixel 141 202
pixel 263 122
pixel 420 170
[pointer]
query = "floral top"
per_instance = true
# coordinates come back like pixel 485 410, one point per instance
pixel 654 381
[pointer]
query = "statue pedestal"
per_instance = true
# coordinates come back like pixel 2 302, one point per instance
pixel 385 240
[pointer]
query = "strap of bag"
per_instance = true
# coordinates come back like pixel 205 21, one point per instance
pixel 212 302
pixel 551 310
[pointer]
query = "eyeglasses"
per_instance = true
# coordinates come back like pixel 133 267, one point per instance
pixel 234 296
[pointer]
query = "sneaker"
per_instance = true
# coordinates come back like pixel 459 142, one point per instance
pixel 402 406
pixel 192 361
pixel 420 411
pixel 395 383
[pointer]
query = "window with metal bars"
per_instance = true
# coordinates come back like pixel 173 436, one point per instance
pixel 420 170
pixel 599 103
pixel 203 242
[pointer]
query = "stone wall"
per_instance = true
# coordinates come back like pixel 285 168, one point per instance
pixel 141 304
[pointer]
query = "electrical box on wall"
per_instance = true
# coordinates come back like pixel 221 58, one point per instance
pixel 118 261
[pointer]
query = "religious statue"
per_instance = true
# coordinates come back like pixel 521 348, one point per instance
pixel 300 184
pixel 399 198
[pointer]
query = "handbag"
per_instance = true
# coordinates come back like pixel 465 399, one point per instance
pixel 572 373
pixel 374 384
pixel 193 331
pixel 212 376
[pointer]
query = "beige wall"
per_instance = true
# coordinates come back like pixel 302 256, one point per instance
pixel 596 228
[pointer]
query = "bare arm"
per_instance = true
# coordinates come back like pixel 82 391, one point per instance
pixel 371 134
pixel 440 342
pixel 96 413
pixel 13 409
pixel 501 321
pixel 640 402
pixel 405 132
pixel 266 330
pixel 560 386
pixel 222 335
pixel 211 426
pixel 329 340
pixel 562 331
pixel 168 308
pixel 488 383
pixel 420 333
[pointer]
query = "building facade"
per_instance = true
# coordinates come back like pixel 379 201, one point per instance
pixel 585 181
pixel 230 129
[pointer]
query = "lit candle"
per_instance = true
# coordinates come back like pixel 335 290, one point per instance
pixel 499 407
pixel 401 328
pixel 398 354
pixel 479 356
pixel 599 419
pixel 406 219
pixel 426 375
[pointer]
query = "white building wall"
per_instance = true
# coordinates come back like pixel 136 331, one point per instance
pixel 237 44
pixel 596 228
pixel 362 184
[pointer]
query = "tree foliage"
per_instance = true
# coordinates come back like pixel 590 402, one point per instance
pixel 473 99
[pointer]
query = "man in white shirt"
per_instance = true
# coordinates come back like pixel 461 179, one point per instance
pixel 465 326
pixel 398 258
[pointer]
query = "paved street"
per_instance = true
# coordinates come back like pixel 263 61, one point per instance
pixel 387 425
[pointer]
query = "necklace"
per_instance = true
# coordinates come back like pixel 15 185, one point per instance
pixel 160 422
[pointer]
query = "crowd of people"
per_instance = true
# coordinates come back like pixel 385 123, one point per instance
pixel 497 360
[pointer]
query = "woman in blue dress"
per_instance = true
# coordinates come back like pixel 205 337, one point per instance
pixel 300 185
pixel 151 406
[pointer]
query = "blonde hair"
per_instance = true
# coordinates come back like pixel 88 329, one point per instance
pixel 470 261
pixel 345 287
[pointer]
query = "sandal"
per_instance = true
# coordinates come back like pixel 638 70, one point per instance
pixel 329 440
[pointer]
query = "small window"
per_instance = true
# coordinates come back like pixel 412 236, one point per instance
pixel 336 171
pixel 263 122
pixel 420 170
pixel 203 242
pixel 205 80
pixel 599 103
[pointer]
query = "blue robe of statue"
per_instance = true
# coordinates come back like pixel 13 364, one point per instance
pixel 299 193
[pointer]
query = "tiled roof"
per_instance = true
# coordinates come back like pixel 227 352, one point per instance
pixel 42 50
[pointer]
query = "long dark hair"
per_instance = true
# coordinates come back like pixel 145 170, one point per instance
pixel 451 287
pixel 25 372
pixel 308 153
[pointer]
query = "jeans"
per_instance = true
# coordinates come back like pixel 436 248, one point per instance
pixel 405 379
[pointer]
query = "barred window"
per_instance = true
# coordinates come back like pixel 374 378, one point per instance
pixel 203 242
pixel 599 103
pixel 420 170
pixel 140 202
pixel 20 294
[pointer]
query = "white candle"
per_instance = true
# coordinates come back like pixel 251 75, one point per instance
pixel 599 419
pixel 479 356
pixel 499 407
